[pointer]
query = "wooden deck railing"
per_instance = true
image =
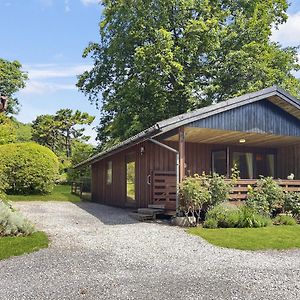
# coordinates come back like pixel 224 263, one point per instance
pixel 81 187
pixel 239 191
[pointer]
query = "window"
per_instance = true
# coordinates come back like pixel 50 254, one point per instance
pixel 219 165
pixel 244 163
pixel 130 180
pixel 109 172
pixel 270 165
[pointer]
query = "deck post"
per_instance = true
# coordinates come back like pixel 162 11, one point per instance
pixel 181 138
pixel 228 162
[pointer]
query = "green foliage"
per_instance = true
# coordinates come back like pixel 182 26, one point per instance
pixel 18 245
pixel 28 168
pixel 267 197
pixel 59 131
pixel 23 132
pixel 13 223
pixel 194 191
pixel 3 183
pixel 230 217
pixel 81 151
pixel 203 192
pixel 284 220
pixel 7 130
pixel 60 193
pixel 157 59
pixel 12 79
pixel 219 189
pixel 211 223
pixel 292 204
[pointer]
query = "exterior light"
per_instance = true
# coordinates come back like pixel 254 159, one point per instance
pixel 242 141
pixel 142 150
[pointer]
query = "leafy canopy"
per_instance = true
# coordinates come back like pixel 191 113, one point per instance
pixel 60 130
pixel 12 79
pixel 158 58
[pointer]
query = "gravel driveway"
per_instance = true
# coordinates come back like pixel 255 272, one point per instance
pixel 98 252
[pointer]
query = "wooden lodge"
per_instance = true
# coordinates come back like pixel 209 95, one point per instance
pixel 258 132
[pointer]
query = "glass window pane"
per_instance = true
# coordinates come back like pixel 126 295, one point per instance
pixel 271 165
pixel 130 180
pixel 109 172
pixel 244 163
pixel 219 162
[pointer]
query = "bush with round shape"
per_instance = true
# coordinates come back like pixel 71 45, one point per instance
pixel 28 168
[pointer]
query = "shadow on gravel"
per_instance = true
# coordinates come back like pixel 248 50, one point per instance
pixel 106 214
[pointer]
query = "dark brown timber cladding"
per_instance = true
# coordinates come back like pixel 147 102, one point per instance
pixel 153 158
pixel 288 159
pixel 156 158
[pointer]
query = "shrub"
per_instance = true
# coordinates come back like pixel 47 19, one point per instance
pixel 13 223
pixel 267 198
pixel 202 193
pixel 284 220
pixel 193 194
pixel 292 204
pixel 219 189
pixel 211 224
pixel 230 217
pixel 28 168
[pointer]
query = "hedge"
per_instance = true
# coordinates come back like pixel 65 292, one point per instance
pixel 28 168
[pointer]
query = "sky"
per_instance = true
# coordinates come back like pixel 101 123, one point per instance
pixel 48 37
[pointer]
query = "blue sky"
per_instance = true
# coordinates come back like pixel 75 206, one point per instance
pixel 48 38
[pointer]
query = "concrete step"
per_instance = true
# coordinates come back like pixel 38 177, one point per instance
pixel 141 217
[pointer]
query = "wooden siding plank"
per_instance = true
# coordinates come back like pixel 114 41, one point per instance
pixel 254 117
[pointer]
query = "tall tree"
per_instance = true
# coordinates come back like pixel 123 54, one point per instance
pixel 12 79
pixel 58 131
pixel 67 123
pixel 45 132
pixel 158 58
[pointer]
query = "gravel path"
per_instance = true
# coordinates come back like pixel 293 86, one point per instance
pixel 98 252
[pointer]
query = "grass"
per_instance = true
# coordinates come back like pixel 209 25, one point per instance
pixel 273 237
pixel 59 193
pixel 18 245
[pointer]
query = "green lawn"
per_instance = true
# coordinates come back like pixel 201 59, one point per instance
pixel 59 193
pixel 17 245
pixel 273 237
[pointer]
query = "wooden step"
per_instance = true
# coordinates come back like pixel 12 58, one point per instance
pixel 156 206
pixel 141 217
pixel 150 211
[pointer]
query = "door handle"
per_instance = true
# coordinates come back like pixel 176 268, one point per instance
pixel 149 179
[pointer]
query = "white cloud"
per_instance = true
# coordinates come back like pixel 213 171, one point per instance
pixel 46 3
pixel 67 6
pixel 39 87
pixel 89 2
pixel 47 71
pixel 288 33
pixel 50 78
